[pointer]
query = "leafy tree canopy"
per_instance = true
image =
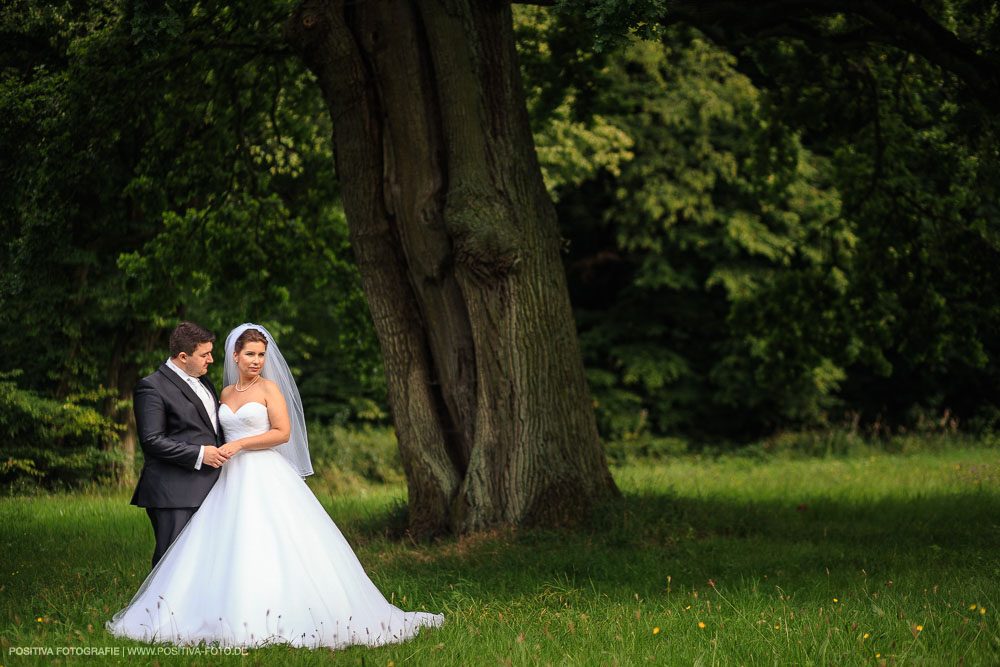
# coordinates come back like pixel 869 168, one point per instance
pixel 774 213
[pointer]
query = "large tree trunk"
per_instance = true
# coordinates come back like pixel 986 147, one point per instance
pixel 456 241
pixel 123 374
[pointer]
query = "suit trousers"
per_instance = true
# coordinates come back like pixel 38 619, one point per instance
pixel 168 522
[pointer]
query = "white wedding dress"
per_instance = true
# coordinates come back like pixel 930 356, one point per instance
pixel 262 563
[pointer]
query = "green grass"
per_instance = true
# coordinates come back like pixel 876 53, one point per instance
pixel 857 560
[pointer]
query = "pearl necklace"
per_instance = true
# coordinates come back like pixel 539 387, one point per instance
pixel 237 387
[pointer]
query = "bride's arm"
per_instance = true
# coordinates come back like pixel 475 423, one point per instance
pixel 281 428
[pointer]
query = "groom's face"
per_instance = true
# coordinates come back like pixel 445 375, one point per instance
pixel 196 364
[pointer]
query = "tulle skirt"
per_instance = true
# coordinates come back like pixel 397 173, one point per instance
pixel 262 563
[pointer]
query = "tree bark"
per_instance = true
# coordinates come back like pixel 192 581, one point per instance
pixel 123 374
pixel 456 241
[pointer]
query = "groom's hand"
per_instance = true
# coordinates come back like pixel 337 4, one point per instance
pixel 214 456
pixel 229 449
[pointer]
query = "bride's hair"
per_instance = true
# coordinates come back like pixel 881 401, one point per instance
pixel 249 336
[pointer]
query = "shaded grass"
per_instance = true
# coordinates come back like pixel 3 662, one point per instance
pixel 780 561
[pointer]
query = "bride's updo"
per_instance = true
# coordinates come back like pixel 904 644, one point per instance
pixel 249 336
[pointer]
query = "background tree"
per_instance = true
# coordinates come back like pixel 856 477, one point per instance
pixel 771 216
pixel 169 165
pixel 456 241
pixel 719 203
pixel 850 316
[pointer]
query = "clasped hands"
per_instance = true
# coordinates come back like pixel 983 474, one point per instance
pixel 216 456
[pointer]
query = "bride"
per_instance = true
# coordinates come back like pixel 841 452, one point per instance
pixel 261 562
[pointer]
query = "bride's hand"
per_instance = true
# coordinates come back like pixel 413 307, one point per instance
pixel 230 448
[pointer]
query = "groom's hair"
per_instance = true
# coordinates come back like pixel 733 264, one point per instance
pixel 188 336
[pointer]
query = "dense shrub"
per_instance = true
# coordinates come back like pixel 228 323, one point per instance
pixel 345 456
pixel 52 443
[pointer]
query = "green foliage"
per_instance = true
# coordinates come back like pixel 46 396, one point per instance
pixel 611 21
pixel 560 79
pixel 773 237
pixel 174 163
pixel 681 261
pixel 346 457
pixel 643 447
pixel 914 163
pixel 52 443
pixel 759 239
pixel 927 436
pixel 638 445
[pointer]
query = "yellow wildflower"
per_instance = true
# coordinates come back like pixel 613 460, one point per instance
pixel 701 624
pixel 836 600
pixel 982 610
pixel 656 631
pixel 920 628
pixel 866 636
pixel 972 606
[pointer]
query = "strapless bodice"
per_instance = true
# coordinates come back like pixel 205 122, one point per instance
pixel 250 419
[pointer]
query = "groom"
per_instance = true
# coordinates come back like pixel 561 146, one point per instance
pixel 177 417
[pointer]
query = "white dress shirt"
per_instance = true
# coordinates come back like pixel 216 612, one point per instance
pixel 206 398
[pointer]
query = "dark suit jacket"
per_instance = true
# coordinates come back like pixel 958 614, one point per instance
pixel 173 425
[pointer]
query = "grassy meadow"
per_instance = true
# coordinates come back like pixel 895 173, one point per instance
pixel 766 560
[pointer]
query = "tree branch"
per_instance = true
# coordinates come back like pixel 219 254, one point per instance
pixel 902 24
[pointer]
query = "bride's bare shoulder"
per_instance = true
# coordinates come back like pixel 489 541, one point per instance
pixel 269 385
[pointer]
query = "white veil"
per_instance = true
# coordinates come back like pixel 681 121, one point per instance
pixel 296 450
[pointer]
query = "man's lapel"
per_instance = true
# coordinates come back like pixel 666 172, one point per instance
pixel 189 393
